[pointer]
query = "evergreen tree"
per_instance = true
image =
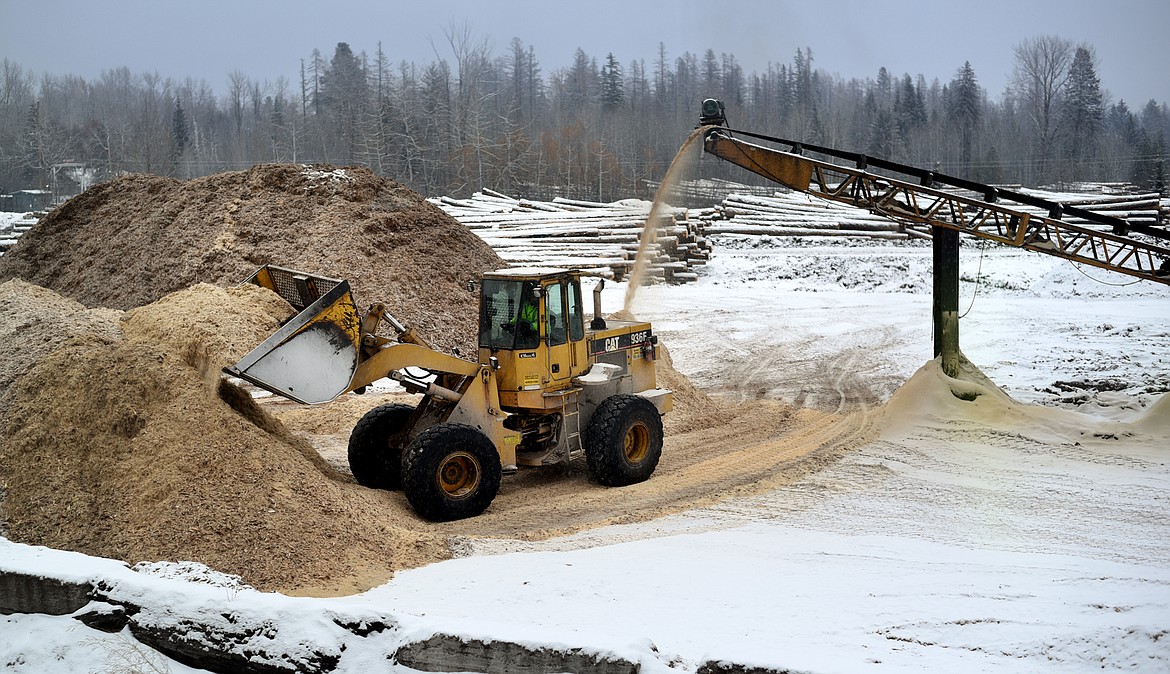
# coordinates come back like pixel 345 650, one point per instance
pixel 180 134
pixel 661 77
pixel 1145 162
pixel 344 96
pixel 1155 119
pixel 990 170
pixel 687 85
pixel 1120 121
pixel 612 89
pixel 910 108
pixel 710 81
pixel 883 136
pixel 885 91
pixel 802 80
pixel 1083 110
pixel 732 76
pixel 636 85
pixel 277 123
pixel 581 81
pixel 534 84
pixel 518 77
pixel 964 110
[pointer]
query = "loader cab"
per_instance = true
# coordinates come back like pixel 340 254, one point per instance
pixel 532 321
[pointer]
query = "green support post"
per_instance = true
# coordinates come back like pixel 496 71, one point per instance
pixel 946 298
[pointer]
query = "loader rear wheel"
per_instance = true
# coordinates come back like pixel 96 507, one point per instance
pixel 623 440
pixel 450 471
pixel 375 446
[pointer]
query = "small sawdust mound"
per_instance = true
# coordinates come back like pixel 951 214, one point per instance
pixel 693 409
pixel 134 239
pixel 217 326
pixel 35 321
pixel 127 444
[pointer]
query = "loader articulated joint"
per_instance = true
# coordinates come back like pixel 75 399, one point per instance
pixel 413 385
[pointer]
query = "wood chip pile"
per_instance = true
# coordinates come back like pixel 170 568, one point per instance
pixel 130 241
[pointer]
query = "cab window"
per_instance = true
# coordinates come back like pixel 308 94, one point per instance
pixel 509 315
pixel 576 313
pixel 554 305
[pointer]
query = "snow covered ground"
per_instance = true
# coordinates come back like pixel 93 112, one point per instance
pixel 980 536
pixel 1030 321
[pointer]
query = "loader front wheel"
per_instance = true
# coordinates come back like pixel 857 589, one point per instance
pixel 450 471
pixel 375 446
pixel 623 440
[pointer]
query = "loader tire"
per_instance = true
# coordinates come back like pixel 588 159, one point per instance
pixel 623 440
pixel 450 471
pixel 375 446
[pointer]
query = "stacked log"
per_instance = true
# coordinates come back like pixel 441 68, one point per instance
pixel 1112 199
pixel 600 238
pixel 796 214
pixel 11 231
pixel 603 238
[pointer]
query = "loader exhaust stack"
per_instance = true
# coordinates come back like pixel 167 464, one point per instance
pixel 598 323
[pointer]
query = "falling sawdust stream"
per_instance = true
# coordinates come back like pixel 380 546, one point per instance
pixel 650 229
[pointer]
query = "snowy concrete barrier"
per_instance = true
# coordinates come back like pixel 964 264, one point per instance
pixel 228 648
pixel 23 592
pixel 449 653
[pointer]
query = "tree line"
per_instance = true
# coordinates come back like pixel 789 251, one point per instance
pixel 596 129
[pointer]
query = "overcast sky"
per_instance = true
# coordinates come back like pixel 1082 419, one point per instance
pixel 207 39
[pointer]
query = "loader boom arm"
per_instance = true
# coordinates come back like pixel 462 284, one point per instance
pixel 329 347
pixel 912 199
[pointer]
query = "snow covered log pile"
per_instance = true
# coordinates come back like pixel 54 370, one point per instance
pixel 1118 200
pixel 797 214
pixel 787 213
pixel 602 238
pixel 13 225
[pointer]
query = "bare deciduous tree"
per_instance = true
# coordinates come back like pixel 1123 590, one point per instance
pixel 1040 77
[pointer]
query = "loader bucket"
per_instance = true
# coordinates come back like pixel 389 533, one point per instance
pixel 312 357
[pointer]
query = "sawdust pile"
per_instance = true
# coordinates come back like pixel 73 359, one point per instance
pixel 693 408
pixel 120 440
pixel 130 241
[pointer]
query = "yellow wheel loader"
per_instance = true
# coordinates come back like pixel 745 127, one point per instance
pixel 547 387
